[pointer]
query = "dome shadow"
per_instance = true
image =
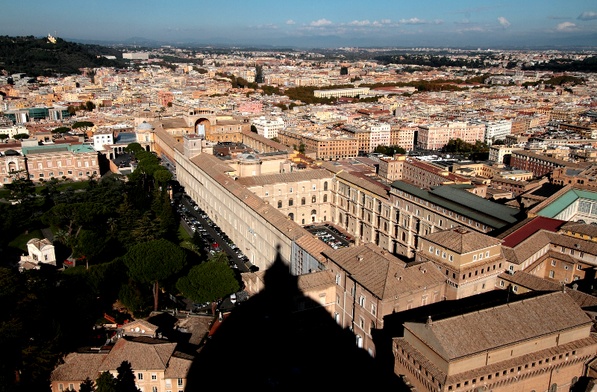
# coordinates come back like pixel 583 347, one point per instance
pixel 282 340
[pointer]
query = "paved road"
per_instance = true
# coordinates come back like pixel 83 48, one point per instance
pixel 232 256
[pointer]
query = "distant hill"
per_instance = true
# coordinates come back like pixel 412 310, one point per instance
pixel 44 57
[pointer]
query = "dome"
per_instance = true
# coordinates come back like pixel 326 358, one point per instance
pixel 145 127
pixel 11 153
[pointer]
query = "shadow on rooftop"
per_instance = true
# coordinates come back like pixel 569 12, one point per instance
pixel 281 340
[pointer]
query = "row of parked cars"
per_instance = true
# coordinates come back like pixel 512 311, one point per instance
pixel 190 218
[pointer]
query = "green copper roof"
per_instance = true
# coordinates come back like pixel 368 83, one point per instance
pixel 455 198
pixel 562 202
pixel 52 148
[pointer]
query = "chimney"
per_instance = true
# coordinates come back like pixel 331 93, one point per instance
pixel 360 257
pixel 429 323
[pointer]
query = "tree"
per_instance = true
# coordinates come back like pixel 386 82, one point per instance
pixel 153 262
pixel 125 381
pixel 301 148
pixel 83 125
pixel 87 386
pixel 106 383
pixel 20 136
pixel 133 148
pixel 208 281
pixel 61 130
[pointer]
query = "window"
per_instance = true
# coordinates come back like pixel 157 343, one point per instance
pixel 154 376
pixel 179 382
pixel 553 263
pixel 431 249
pixel 303 201
pixel 551 274
pixel 578 267
pixel 325 186
pixel 338 279
pixel 290 190
pixel 279 203
pixel 266 193
pixel 501 283
pixel 313 199
pixel 139 376
pixel 325 198
pixel 373 309
pixel 314 187
pixel 362 300
pixel 450 257
pixel 154 389
pixel 290 202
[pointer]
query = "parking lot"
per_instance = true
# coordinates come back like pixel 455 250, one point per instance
pixel 215 239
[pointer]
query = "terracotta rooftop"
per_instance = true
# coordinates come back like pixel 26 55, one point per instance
pixel 462 240
pixel 500 326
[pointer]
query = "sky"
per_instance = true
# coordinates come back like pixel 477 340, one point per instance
pixel 310 23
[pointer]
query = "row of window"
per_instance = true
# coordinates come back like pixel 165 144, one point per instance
pixel 60 174
pixel 512 370
pixel 290 190
pixel 303 201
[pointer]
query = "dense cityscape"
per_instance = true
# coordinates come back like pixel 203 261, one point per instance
pixel 186 217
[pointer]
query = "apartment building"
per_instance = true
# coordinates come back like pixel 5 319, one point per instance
pixel 436 136
pixel 497 130
pixel 268 127
pixel 538 164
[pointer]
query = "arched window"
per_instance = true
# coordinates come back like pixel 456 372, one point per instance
pixel 290 202
pixel 325 198
pixel 279 203
pixel 325 186
pixel 314 199
pixel 303 201
pixel 291 216
pixel 313 212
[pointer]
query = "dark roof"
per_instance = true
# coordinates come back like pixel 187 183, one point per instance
pixel 455 198
pixel 532 226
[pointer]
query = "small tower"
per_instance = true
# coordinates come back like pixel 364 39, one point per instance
pixel 192 145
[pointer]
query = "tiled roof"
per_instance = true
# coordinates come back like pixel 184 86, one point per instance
pixel 297 176
pixel 142 353
pixel 527 247
pixel 315 281
pixel 179 366
pixel 580 228
pixel 508 324
pixel 462 240
pixel 78 366
pixel 382 274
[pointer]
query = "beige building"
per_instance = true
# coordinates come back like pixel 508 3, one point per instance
pixel 537 344
pixel 436 136
pixel 63 161
pixel 156 364
pixel 470 261
pixel 363 298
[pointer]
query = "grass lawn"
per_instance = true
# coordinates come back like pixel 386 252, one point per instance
pixel 21 241
pixel 182 234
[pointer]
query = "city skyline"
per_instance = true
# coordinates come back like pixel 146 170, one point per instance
pixel 309 24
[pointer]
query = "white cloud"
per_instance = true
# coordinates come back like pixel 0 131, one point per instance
pixel 320 22
pixel 566 26
pixel 412 21
pixel 504 22
pixel 360 23
pixel 587 15
pixel 290 22
pixel 385 21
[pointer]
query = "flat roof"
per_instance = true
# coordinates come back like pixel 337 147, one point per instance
pixel 456 198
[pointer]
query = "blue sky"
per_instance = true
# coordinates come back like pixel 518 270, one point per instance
pixel 309 23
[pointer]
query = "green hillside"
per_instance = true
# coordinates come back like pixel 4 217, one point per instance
pixel 40 57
